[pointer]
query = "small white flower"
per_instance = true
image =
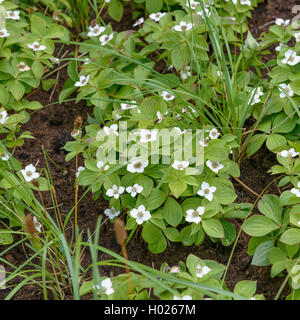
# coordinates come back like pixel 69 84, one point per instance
pixel 140 214
pixel 37 225
pixel 291 58
pixel 111 213
pixel 148 135
pixel 183 26
pixel 194 215
pixel 204 143
pixel 167 96
pixel 3 33
pixel 80 168
pixel 286 88
pixel 214 166
pixel 202 271
pixel 207 191
pixel 5 156
pixel 246 2
pixel 105 38
pixel 86 61
pixel 279 47
pixel 111 130
pixel 107 1
pixel 22 66
pixel 175 269
pixel 255 96
pixel 185 297
pixel 207 12
pixel 95 31
pixel 14 15
pixel 185 73
pixel 281 22
pixel 134 190
pixel 160 116
pixel 106 286
pixel 296 191
pixel 138 22
pixel 157 16
pixel 54 60
pixel 35 46
pixel 297 36
pixel 137 166
pixel 289 153
pixel 82 81
pixel 3 116
pixel 192 4
pixel 214 134
pixel 126 106
pixel 29 173
pixel 115 191
pixel 101 166
pixel 180 165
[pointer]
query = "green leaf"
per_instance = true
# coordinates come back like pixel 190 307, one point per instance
pixel 177 188
pixel 255 143
pixel 6 237
pixel 172 212
pixel 185 236
pixel 153 6
pixel 291 236
pixel 17 89
pixel 158 246
pixel 269 205
pixel 213 228
pixel 261 254
pixel 257 226
pixel 245 288
pixel 172 234
pixel 229 233
pixel 115 10
pixel 180 56
pixel 275 141
pixel 155 200
pixel 150 233
pixel 37 69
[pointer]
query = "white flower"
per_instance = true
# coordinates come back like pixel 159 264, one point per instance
pixel 279 47
pixel 170 67
pixel 3 116
pixel 289 153
pixel 175 269
pixel 167 96
pixel 214 166
pixel 286 88
pixel 296 191
pixel 75 133
pixel 180 165
pixel 29 173
pixel 37 225
pixel 94 31
pixel 179 130
pixel 204 143
pixel 115 191
pixel 86 61
pixel 111 130
pixel 291 58
pixel 246 2
pixel 207 191
pixel 219 73
pixel 214 134
pixel 202 271
pixel 3 33
pixel 80 168
pixel 193 4
pixel 194 215
pixel 281 22
pixel 297 36
pixel 126 106
pixel 183 26
pixel 185 297
pixel 111 213
pixel 35 46
pixel 185 73
pixel 138 22
pixel 134 190
pixel 22 66
pixel 137 166
pixel 106 286
pixel 160 116
pixel 233 1
pixel 82 81
pixel 14 15
pixel 101 166
pixel 54 60
pixel 148 135
pixel 105 38
pixel 4 156
pixel 140 214
pixel 255 96
pixel 156 16
pixel 207 12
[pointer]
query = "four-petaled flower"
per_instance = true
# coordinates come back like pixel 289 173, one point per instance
pixel 29 173
pixel 156 16
pixel 296 191
pixel 135 189
pixel 83 80
pixel 140 214
pixel 167 96
pixel 213 133
pixel 255 96
pixel 101 166
pixel 14 15
pixel 180 165
pixel 35 46
pixel 202 271
pixel 207 191
pixel 95 31
pixel 106 286
pixel 111 130
pixel 291 58
pixel 282 22
pixel 111 213
pixel 285 88
pixel 183 26
pixel 105 38
pixel 138 22
pixel 194 215
pixel 148 135
pixel 115 191
pixel 289 153
pixel 22 66
pixel 137 166
pixel 214 166
pixel 3 33
pixel 3 116
pixel 185 72
pixel 127 106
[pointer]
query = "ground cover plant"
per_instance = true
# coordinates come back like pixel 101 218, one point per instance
pixel 172 106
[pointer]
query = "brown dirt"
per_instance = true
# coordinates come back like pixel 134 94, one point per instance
pixel 52 126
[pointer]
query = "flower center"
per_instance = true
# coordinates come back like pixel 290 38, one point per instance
pixel 29 173
pixel 214 165
pixel 195 214
pixel 1 33
pixel 183 27
pixel 116 191
pixel 36 46
pixel 137 165
pixel 148 136
pixel 206 191
pixel 140 214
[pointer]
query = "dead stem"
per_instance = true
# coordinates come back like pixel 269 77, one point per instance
pixel 246 187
